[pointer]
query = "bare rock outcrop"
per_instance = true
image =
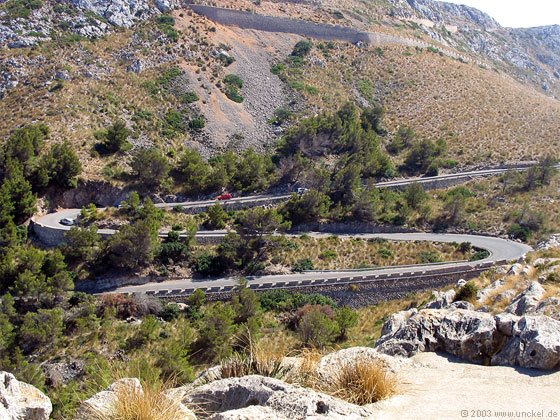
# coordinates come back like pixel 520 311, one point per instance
pixel 535 344
pixel 19 400
pixel 125 12
pixel 550 243
pixel 231 396
pixel 505 339
pixel 528 301
pixel 467 334
pixel 442 299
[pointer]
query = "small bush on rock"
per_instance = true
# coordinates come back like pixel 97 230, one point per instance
pixel 467 293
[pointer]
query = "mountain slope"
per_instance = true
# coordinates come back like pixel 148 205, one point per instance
pixel 121 60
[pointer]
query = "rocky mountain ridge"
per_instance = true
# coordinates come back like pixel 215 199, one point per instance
pixel 532 55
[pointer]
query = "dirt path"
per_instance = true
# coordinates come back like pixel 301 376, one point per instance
pixel 437 387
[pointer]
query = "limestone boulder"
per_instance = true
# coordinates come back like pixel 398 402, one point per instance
pixel 410 332
pixel 470 335
pixel 549 307
pixel 527 301
pixel 253 412
pixel 19 400
pixel 516 269
pixel 467 334
pixel 505 323
pixel 461 304
pixel 442 299
pixel 285 400
pixel 330 363
pixel 485 293
pixel 535 344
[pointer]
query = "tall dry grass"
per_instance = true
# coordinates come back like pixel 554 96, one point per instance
pixel 260 359
pixel 151 404
pixel 362 381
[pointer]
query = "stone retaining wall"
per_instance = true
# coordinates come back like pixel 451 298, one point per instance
pixel 250 20
pixel 354 293
pixel 233 205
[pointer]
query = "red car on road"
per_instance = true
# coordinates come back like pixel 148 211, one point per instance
pixel 225 196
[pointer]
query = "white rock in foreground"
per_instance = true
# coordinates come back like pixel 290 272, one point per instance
pixel 19 400
pixel 535 344
pixel 286 400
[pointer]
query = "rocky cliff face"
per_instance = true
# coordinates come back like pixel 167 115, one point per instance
pixel 87 18
pixel 532 55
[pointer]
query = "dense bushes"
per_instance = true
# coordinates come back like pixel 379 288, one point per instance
pixel 283 300
pixel 113 139
pixel 422 157
pixel 150 168
pixel 21 8
pixel 233 84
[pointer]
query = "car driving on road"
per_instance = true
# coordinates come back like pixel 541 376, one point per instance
pixel 67 222
pixel 225 196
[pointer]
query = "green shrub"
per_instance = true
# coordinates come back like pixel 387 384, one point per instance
pixel 329 254
pixel 21 8
pixel 304 264
pixel 385 253
pixel 114 139
pixel 204 264
pixel 430 257
pixel 316 325
pixel 516 231
pixel 226 59
pixel 197 123
pixel 346 319
pixel 480 255
pixel 175 121
pixel 165 23
pixel 216 218
pixel 278 69
pixel 467 293
pixel 302 48
pixel 190 97
pixel 553 277
pixel 233 80
pixel 166 20
pixel 232 93
pixel 283 300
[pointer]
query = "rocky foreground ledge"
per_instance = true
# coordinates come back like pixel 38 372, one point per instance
pixel 431 386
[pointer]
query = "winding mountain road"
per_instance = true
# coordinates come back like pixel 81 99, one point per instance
pixel 500 250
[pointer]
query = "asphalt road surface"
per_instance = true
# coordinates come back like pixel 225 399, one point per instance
pixel 499 249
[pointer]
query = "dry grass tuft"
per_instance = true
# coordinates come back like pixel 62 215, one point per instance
pixel 262 359
pixel 149 403
pixel 363 381
pixel 306 373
